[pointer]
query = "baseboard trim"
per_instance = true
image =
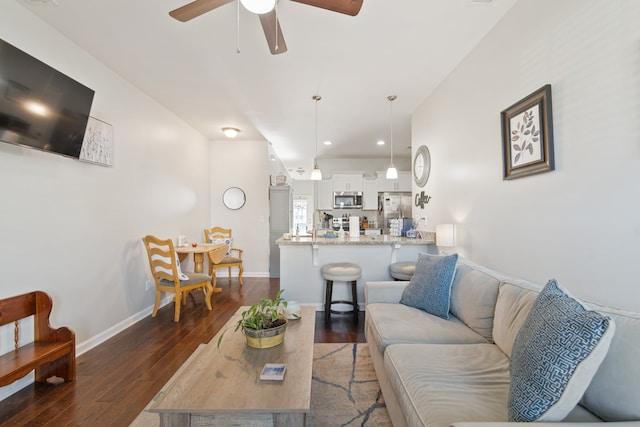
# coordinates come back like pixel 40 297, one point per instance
pixel 103 336
pixel 95 341
pixel 223 274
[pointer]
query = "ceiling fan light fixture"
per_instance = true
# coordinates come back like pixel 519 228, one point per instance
pixel 259 6
pixel 230 132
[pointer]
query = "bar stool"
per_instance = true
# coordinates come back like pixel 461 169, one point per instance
pixel 341 272
pixel 402 270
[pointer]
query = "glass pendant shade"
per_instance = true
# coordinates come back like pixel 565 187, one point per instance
pixel 259 6
pixel 392 173
pixel 316 173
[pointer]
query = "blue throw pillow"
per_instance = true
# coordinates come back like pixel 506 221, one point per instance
pixel 430 286
pixel 555 355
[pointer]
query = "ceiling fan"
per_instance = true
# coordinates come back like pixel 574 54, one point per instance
pixel 268 17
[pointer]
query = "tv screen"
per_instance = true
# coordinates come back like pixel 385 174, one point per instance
pixel 40 107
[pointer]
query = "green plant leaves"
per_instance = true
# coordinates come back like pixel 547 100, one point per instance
pixel 262 315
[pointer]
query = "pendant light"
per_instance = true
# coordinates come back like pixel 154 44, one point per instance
pixel 259 6
pixel 316 173
pixel 392 172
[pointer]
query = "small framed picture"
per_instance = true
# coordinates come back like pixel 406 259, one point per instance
pixel 97 146
pixel 527 135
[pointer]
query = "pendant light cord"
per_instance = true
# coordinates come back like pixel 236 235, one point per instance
pixel 391 99
pixel 238 28
pixel 316 98
pixel 277 30
pixel 316 174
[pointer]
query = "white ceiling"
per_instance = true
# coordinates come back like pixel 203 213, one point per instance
pixel 393 47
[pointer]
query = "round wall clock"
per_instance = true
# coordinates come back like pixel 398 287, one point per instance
pixel 233 198
pixel 421 166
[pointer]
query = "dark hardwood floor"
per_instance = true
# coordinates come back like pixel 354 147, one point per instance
pixel 117 379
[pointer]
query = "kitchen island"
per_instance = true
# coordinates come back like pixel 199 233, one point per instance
pixel 301 259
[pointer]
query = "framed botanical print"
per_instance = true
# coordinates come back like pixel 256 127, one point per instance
pixel 527 135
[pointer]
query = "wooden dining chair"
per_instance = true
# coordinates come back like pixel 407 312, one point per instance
pixel 168 276
pixel 224 235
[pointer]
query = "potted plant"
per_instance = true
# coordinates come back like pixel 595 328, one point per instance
pixel 263 324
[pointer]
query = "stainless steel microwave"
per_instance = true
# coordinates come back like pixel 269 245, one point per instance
pixel 347 200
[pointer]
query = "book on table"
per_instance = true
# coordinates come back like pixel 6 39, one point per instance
pixel 273 371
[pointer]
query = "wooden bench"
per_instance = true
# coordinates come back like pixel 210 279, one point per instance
pixel 52 352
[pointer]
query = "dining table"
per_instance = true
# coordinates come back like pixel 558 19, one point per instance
pixel 199 250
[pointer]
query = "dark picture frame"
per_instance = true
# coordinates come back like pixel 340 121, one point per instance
pixel 527 135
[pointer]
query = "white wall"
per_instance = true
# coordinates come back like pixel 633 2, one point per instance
pixel 303 187
pixel 368 166
pixel 579 223
pixel 73 229
pixel 243 164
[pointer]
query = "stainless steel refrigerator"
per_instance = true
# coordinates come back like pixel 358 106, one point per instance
pixel 393 205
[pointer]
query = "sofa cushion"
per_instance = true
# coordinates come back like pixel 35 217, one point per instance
pixel 473 297
pixel 618 376
pixel 438 384
pixel 512 307
pixel 396 323
pixel 430 286
pixel 555 355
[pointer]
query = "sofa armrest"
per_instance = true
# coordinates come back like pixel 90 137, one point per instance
pixel 387 291
pixel 543 424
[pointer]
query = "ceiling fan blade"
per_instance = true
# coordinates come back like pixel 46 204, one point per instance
pixel 348 7
pixel 196 8
pixel 270 25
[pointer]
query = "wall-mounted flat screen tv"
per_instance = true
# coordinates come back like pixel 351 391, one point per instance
pixel 40 107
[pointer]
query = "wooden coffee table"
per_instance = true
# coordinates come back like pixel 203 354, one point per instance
pixel 223 387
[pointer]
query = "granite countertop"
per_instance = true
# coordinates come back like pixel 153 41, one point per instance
pixel 428 238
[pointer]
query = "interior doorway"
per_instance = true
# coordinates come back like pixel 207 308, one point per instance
pixel 302 211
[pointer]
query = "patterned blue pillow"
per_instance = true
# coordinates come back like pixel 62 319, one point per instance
pixel 555 355
pixel 430 286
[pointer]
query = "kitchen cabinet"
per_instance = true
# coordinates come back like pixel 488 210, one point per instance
pixel 403 183
pixel 324 191
pixel 347 182
pixel 370 194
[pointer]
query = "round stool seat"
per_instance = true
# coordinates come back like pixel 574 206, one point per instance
pixel 402 270
pixel 341 272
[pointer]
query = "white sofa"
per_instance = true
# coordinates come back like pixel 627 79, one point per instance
pixel 436 372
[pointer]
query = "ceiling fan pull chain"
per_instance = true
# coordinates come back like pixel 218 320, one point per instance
pixel 238 28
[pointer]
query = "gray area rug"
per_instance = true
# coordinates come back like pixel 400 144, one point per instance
pixel 344 390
